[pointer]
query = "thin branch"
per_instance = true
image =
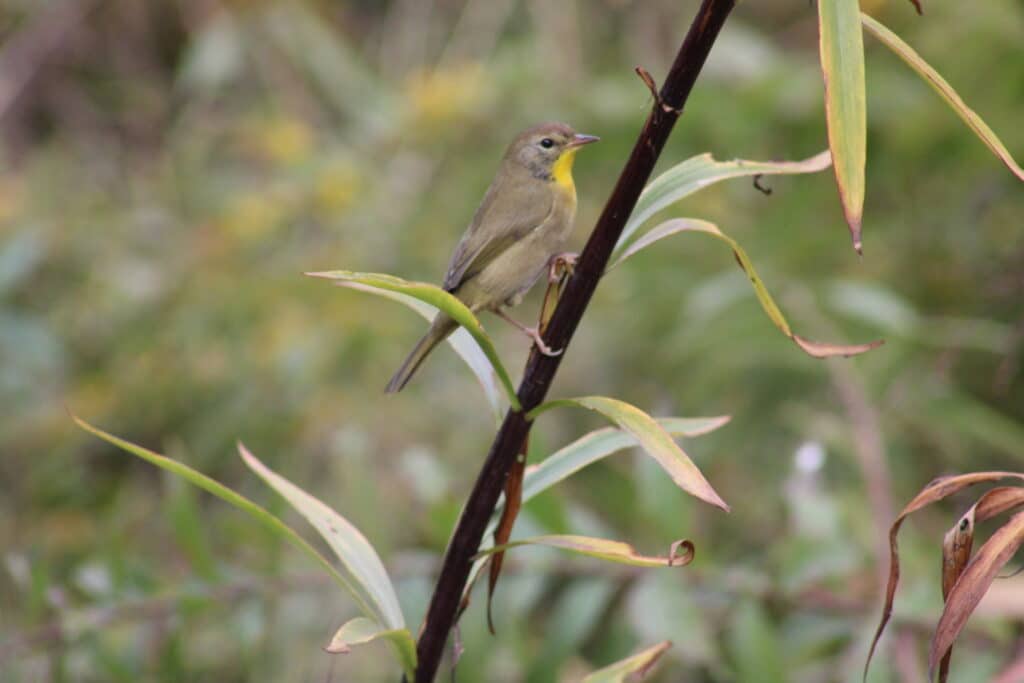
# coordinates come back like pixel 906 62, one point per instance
pixel 540 369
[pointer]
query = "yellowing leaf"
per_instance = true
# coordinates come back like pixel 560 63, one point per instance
pixel 623 670
pixel 842 64
pixel 653 439
pixel 945 90
pixel 698 172
pixel 613 551
pixel 678 225
pixel 582 452
pixel 437 297
pixel 362 630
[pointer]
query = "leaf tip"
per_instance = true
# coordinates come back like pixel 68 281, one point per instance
pixel 337 649
pixel 717 501
pixel 244 452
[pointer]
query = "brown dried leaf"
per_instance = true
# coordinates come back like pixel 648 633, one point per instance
pixel 513 502
pixel 975 580
pixel 997 501
pixel 956 551
pixel 936 490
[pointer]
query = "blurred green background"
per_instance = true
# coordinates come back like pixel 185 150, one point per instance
pixel 170 168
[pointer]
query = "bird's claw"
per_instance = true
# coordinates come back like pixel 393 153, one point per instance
pixel 533 334
pixel 562 264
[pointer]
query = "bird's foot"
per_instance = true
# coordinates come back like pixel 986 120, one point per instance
pixel 530 332
pixel 533 334
pixel 561 264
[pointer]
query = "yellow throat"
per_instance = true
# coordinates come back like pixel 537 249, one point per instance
pixel 561 172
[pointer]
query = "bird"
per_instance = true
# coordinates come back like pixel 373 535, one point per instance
pixel 516 234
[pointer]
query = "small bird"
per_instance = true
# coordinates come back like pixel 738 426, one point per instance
pixel 516 234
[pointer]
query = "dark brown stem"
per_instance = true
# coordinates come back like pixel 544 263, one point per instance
pixel 540 369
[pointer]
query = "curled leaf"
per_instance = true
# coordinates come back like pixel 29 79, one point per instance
pixel 945 90
pixel 679 225
pixel 936 490
pixel 957 544
pixel 652 437
pixel 956 552
pixel 681 553
pixel 972 585
pixel 582 452
pixel 437 297
pixel 842 64
pixel 362 630
pixel 698 172
pixel 638 665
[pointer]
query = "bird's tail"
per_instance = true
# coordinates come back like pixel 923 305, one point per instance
pixel 439 330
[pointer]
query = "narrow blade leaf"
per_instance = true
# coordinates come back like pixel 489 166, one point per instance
pixel 362 630
pixel 842 64
pixel 241 502
pixel 945 90
pixel 681 553
pixel 652 437
pixel 698 172
pixel 437 297
pixel 460 340
pixel 972 585
pixel 679 225
pixel 956 552
pixel 513 502
pixel 936 490
pixel 585 451
pixel 628 669
pixel 353 550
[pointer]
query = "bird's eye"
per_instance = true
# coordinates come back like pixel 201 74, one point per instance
pixel 547 143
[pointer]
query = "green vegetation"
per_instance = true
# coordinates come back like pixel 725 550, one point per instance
pixel 170 170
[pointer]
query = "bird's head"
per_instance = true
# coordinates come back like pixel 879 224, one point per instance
pixel 548 150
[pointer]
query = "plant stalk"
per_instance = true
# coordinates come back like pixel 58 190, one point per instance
pixel 540 369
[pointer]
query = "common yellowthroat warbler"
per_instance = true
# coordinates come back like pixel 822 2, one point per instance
pixel 520 226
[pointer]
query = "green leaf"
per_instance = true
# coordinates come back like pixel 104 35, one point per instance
pixel 437 297
pixel 242 503
pixel 460 340
pixel 356 554
pixel 638 664
pixel 361 630
pixel 678 225
pixel 945 90
pixel 613 551
pixel 698 172
pixel 598 445
pixel 655 441
pixel 582 452
pixel 842 63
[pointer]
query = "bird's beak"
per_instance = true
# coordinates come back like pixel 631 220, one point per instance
pixel 579 140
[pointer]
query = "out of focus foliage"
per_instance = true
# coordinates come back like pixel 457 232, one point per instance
pixel 170 168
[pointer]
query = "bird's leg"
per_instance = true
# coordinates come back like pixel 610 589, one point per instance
pixel 561 264
pixel 530 332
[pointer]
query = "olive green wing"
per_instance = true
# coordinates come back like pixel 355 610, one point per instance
pixel 502 219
